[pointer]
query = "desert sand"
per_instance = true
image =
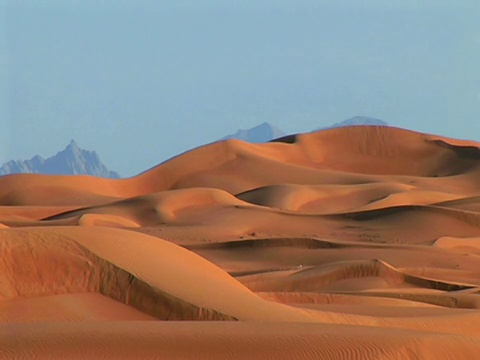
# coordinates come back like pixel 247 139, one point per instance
pixel 359 242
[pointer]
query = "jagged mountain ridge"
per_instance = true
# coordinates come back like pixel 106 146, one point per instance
pixel 70 161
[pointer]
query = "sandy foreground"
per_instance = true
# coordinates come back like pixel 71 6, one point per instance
pixel 359 242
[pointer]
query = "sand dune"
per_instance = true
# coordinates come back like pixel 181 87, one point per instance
pixel 359 242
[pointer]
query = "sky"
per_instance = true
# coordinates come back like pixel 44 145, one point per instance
pixel 142 81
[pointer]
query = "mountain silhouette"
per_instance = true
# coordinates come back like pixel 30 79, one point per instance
pixel 70 161
pixel 258 134
pixel 356 121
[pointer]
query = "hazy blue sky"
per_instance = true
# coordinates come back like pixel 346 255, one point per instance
pixel 141 81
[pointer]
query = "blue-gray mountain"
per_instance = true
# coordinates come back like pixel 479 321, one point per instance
pixel 70 161
pixel 356 121
pixel 258 134
pixel 266 132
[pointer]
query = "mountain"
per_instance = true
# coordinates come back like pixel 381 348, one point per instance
pixel 258 134
pixel 266 132
pixel 70 161
pixel 356 121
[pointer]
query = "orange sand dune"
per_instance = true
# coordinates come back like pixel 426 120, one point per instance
pixel 359 242
pixel 352 155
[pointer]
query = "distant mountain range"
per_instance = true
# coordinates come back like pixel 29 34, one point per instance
pixel 70 161
pixel 266 132
pixel 356 121
pixel 258 134
pixel 75 161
